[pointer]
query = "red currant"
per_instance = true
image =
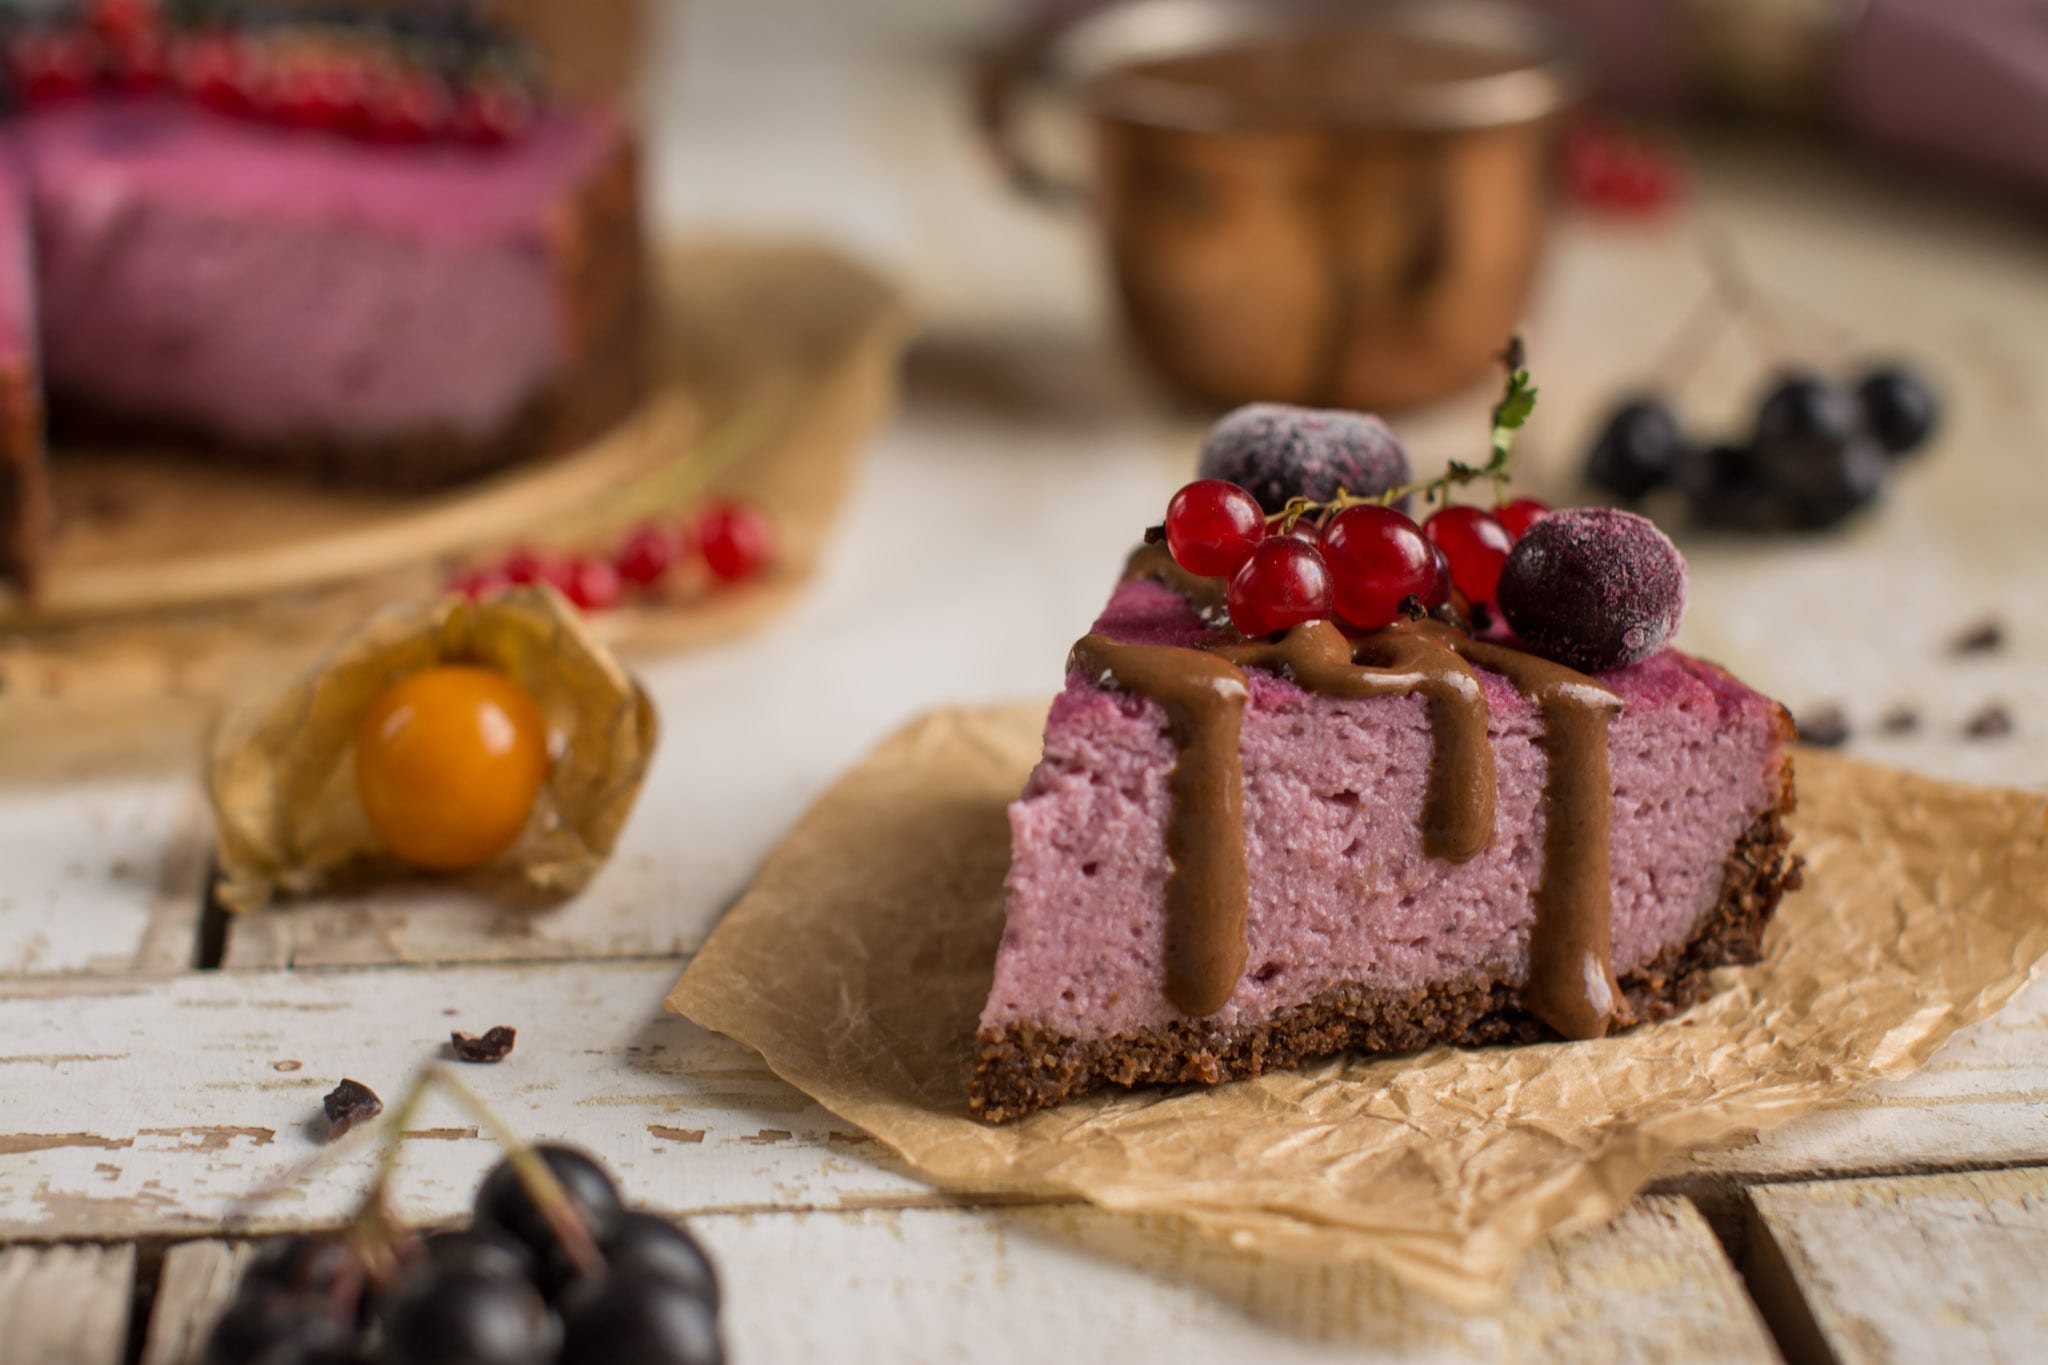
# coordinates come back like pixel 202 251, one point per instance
pixel 405 111
pixel 1609 167
pixel 140 64
pixel 492 115
pixel 591 583
pixel 1378 559
pixel 1284 584
pixel 55 64
pixel 322 95
pixel 1518 516
pixel 1212 527
pixel 217 73
pixel 650 552
pixel 477 584
pixel 526 566
pixel 122 21
pixel 1440 581
pixel 1477 546
pixel 735 540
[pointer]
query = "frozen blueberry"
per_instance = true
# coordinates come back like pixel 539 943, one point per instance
pixel 1277 452
pixel 1594 588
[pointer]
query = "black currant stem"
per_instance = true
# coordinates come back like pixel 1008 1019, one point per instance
pixel 1732 281
pixel 1686 349
pixel 542 1187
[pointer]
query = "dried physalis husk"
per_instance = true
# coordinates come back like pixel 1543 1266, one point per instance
pixel 282 773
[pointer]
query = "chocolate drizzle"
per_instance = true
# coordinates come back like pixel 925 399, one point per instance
pixel 1571 985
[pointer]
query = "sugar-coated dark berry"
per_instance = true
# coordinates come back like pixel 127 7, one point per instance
pixel 1594 588
pixel 1823 487
pixel 1899 407
pixel 1476 544
pixel 1212 527
pixel 478 1250
pixel 1637 449
pixel 457 1317
pixel 1378 559
pixel 1519 514
pixel 735 540
pixel 503 1204
pixel 1283 585
pixel 643 1242
pixel 266 1326
pixel 634 1317
pixel 1804 411
pixel 1278 452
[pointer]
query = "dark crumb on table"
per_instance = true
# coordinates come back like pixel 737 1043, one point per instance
pixel 492 1047
pixel 1900 720
pixel 1984 637
pixel 1825 726
pixel 348 1104
pixel 1990 723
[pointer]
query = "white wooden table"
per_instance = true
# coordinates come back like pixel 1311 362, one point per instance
pixel 142 1096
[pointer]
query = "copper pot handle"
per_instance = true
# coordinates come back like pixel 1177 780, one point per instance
pixel 998 77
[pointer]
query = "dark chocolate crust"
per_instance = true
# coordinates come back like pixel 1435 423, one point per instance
pixel 599 257
pixel 1023 1068
pixel 24 478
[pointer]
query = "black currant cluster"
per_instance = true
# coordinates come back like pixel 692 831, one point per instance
pixel 502 1291
pixel 1819 452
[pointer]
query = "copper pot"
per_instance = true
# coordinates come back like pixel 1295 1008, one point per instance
pixel 1335 204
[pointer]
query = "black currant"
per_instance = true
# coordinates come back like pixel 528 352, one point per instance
pixel 458 1317
pixel 1823 487
pixel 268 1326
pixel 481 1251
pixel 643 1242
pixel 503 1204
pixel 1637 450
pixel 1899 407
pixel 301 1263
pixel 1806 411
pixel 634 1317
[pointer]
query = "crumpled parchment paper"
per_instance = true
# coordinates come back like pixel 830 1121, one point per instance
pixel 282 771
pixel 858 963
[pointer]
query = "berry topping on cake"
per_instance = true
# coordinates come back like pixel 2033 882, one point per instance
pixel 1476 544
pixel 1213 526
pixel 1378 559
pixel 1594 588
pixel 1278 452
pixel 1284 584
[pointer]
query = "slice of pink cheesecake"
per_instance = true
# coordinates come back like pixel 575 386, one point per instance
pixel 1443 841
pixel 390 316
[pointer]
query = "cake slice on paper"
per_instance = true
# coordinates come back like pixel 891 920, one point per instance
pixel 1362 824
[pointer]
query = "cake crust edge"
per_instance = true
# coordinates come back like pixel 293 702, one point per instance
pixel 1023 1067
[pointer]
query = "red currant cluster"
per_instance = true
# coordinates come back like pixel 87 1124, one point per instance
pixel 1359 561
pixel 1620 170
pixel 352 80
pixel 729 541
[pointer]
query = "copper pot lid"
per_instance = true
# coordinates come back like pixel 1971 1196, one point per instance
pixel 1401 65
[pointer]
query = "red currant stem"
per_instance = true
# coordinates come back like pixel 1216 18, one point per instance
pixel 547 1193
pixel 1738 289
pixel 1517 401
pixel 675 484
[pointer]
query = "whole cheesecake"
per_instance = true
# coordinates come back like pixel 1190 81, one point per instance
pixel 389 316
pixel 1242 853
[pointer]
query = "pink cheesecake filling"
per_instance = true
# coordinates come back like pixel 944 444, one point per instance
pixel 268 286
pixel 1341 890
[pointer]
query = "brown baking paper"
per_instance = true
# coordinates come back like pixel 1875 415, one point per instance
pixel 858 964
pixel 282 772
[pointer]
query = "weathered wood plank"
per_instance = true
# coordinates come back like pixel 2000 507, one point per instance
pixel 958 1284
pixel 101 875
pixel 1030 1285
pixel 197 1283
pixel 65 1305
pixel 141 1108
pixel 1884 1272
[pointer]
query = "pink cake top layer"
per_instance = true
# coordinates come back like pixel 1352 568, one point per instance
pixel 169 151
pixel 1341 890
pixel 272 287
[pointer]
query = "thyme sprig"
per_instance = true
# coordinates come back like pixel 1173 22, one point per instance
pixel 1517 401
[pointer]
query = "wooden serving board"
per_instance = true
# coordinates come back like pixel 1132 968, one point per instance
pixel 181 582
